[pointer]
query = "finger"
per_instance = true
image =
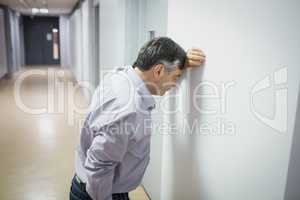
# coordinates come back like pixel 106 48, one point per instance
pixel 193 57
pixel 195 63
pixel 196 53
pixel 197 50
pixel 196 58
pixel 201 60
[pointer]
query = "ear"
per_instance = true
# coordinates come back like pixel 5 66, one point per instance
pixel 158 70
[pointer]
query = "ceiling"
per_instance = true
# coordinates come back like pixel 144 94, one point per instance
pixel 55 7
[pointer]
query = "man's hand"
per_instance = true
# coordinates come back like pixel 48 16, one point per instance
pixel 194 57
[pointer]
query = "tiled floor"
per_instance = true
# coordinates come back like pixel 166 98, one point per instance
pixel 37 148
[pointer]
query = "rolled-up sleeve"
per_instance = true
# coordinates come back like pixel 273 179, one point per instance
pixel 107 149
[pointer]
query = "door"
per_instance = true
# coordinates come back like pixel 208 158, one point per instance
pixel 41 37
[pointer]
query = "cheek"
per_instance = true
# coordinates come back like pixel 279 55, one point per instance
pixel 174 80
pixel 171 83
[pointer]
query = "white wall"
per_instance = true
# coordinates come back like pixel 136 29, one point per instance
pixel 153 17
pixel 112 33
pixel 76 44
pixel 12 49
pixel 245 41
pixel 14 41
pixel 112 38
pixel 133 21
pixel 87 43
pixel 16 50
pixel 64 33
pixel 3 54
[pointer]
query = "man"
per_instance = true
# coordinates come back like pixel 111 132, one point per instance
pixel 115 139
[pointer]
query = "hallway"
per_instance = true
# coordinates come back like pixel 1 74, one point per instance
pixel 37 150
pixel 230 127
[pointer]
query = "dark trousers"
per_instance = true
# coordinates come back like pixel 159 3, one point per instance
pixel 78 192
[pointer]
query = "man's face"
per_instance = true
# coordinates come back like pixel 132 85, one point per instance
pixel 168 79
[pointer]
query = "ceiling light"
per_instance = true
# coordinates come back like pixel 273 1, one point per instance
pixel 35 10
pixel 44 10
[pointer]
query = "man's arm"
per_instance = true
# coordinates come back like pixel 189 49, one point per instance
pixel 194 57
pixel 107 150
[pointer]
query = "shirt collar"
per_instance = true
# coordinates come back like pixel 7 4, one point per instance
pixel 142 89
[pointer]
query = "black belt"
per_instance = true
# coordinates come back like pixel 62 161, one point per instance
pixel 78 179
pixel 120 196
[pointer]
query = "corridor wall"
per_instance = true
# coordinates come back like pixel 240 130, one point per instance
pixel 236 115
pixel 12 45
pixel 76 44
pixel 64 33
pixel 87 41
pixel 154 19
pixel 15 41
pixel 3 46
pixel 112 33
pixel 112 37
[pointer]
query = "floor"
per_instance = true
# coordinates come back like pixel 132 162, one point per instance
pixel 39 128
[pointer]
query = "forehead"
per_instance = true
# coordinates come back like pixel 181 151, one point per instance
pixel 176 71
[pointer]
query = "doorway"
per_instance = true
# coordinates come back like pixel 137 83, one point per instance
pixel 41 39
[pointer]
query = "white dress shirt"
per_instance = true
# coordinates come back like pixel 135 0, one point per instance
pixel 114 147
